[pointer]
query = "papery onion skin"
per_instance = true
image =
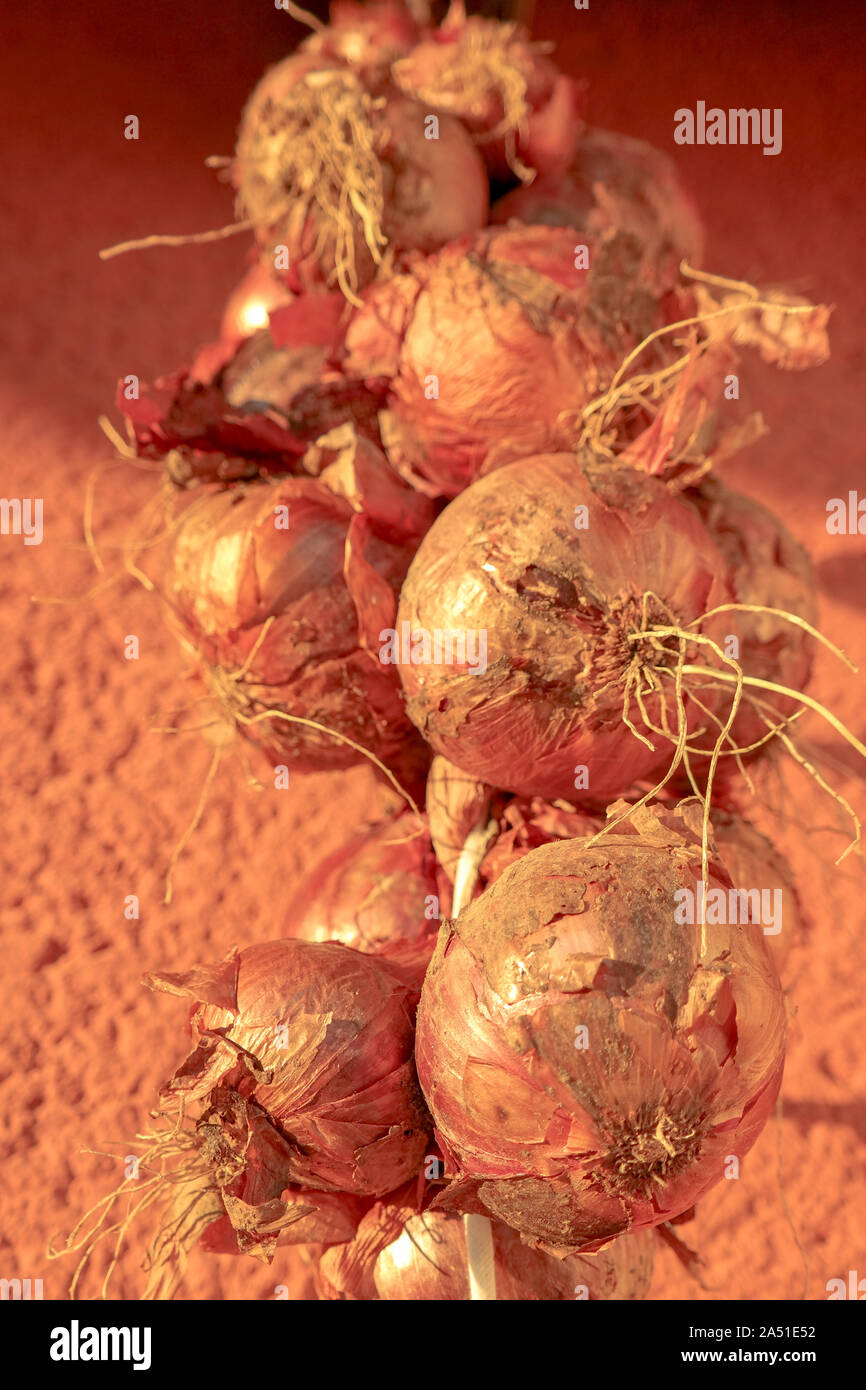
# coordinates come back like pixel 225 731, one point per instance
pixel 491 350
pixel 431 190
pixel 253 405
pixel 616 183
pixel 379 893
pixel 327 584
pixel 424 1258
pixel 313 1043
pixel 557 605
pixel 574 1138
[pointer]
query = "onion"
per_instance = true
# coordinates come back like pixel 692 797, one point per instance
pixel 492 349
pixel 400 1255
pixel 589 1063
pixel 286 622
pixel 524 113
pixel 302 1074
pixel 749 857
pixel 337 174
pixel 616 183
pixel 379 894
pixel 560 610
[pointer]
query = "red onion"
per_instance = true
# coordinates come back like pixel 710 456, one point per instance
pixel 337 173
pixel 591 1064
pixel 379 894
pixel 524 113
pixel 558 609
pixel 404 1256
pixel 616 183
pixel 491 350
pixel 288 620
pixel 302 1074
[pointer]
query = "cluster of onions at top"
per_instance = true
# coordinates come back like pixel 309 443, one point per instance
pixel 472 382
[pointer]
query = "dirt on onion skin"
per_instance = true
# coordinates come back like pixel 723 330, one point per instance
pixel 683 1027
pixel 557 606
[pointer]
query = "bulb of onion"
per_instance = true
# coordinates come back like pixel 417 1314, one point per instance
pixel 591 1063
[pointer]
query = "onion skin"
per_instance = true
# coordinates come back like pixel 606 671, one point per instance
pixel 616 183
pixel 516 337
pixel 398 1255
pixel 572 1146
pixel 328 584
pixel 506 557
pixel 374 894
pixel 324 1077
pixel 252 406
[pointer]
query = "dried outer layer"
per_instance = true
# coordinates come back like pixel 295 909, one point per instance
pixel 616 183
pixel 525 114
pixel 591 1064
pixel 288 620
pixel 557 606
pixel 767 566
pixel 401 1255
pixel 379 893
pixel 337 171
pixel 253 406
pixel 302 1077
pixel 491 349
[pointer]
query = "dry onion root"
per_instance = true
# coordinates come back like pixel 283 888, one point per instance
pixel 524 113
pixel 590 1064
pixel 401 1254
pixel 678 396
